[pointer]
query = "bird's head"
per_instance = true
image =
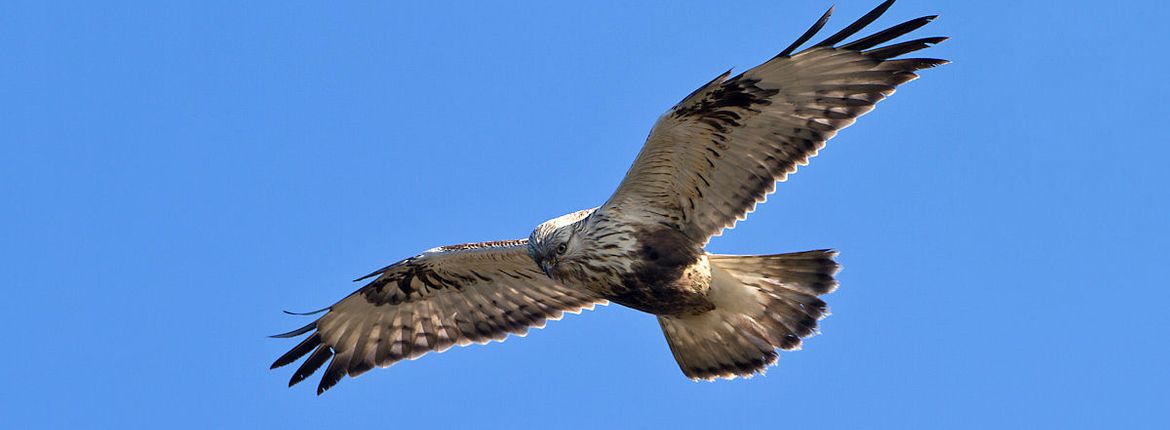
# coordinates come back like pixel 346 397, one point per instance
pixel 556 241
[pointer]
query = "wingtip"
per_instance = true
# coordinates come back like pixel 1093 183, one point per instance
pixel 296 379
pixel 856 26
pixel 929 63
pixel 324 385
pixel 301 314
pixel 808 34
pixel 308 327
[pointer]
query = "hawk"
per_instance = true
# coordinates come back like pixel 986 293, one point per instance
pixel 707 163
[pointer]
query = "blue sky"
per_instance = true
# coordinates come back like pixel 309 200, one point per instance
pixel 172 176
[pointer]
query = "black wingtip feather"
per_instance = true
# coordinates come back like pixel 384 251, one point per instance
pixel 298 351
pixel 301 314
pixel 891 51
pixel 332 376
pixel 320 356
pixel 888 34
pixel 857 25
pixel 308 327
pixel 808 34
pixel 917 63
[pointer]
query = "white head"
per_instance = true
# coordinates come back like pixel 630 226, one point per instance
pixel 556 241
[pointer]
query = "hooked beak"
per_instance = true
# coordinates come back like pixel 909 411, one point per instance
pixel 546 267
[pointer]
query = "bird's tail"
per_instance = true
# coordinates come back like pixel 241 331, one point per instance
pixel 762 302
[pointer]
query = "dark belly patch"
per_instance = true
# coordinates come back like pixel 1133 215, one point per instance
pixel 664 279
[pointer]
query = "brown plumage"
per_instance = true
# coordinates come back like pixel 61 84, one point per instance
pixel 707 163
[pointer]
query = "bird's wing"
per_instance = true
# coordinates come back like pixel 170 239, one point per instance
pixel 453 295
pixel 710 159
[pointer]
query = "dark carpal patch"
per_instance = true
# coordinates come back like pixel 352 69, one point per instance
pixel 725 106
pixel 655 284
pixel 411 282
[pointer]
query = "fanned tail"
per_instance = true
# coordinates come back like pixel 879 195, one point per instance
pixel 762 303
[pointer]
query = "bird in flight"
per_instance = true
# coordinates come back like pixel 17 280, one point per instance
pixel 707 163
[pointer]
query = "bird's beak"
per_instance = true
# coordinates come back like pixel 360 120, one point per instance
pixel 547 268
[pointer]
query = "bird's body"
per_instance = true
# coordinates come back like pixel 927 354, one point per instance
pixel 707 163
pixel 668 274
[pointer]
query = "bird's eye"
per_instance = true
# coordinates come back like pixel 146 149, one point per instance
pixel 562 248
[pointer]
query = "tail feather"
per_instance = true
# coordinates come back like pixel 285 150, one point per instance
pixel 762 303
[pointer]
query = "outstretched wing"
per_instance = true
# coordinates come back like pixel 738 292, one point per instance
pixel 453 295
pixel 714 156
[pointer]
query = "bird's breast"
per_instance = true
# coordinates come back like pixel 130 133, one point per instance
pixel 667 274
